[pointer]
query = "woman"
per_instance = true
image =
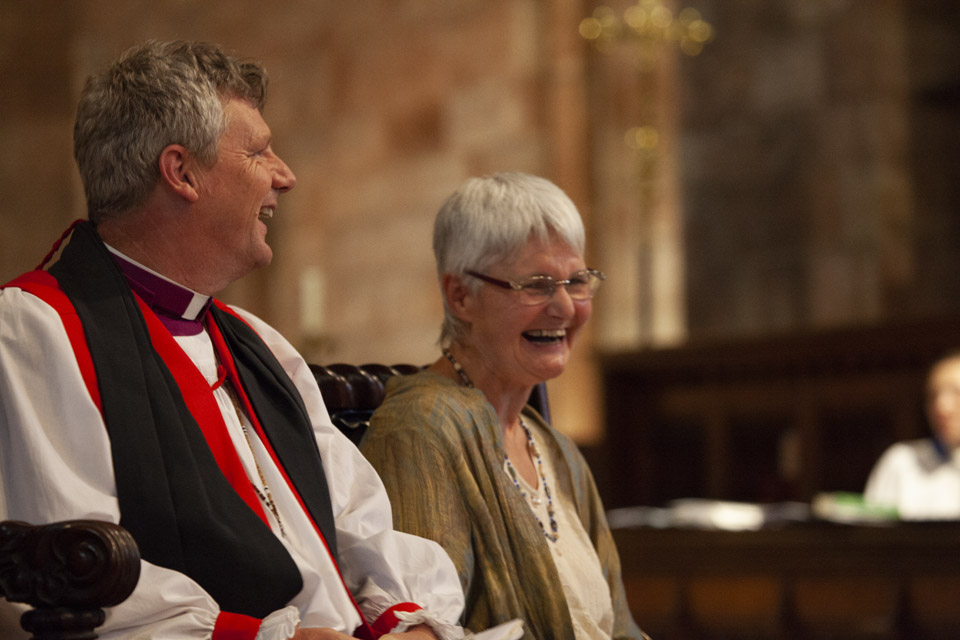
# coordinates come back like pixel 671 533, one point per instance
pixel 921 478
pixel 464 460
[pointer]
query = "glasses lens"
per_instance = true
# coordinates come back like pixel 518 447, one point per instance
pixel 579 285
pixel 583 284
pixel 537 290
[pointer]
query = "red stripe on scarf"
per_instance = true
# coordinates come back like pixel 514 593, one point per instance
pixel 44 286
pixel 202 404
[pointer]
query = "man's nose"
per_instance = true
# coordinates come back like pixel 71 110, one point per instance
pixel 283 178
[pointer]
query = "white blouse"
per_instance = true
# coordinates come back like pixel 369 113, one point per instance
pixel 916 479
pixel 586 590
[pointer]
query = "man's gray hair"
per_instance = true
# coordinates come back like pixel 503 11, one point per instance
pixel 489 219
pixel 155 95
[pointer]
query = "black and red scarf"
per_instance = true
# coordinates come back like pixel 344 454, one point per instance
pixel 173 496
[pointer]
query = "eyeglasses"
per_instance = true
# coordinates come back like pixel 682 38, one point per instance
pixel 539 289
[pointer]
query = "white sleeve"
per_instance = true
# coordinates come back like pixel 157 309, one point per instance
pixel 55 464
pixel 381 566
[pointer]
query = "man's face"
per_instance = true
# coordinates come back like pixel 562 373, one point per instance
pixel 239 193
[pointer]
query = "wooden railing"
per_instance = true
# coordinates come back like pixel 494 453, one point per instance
pixel 810 580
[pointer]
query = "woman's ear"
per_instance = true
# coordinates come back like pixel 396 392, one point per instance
pixel 178 171
pixel 459 297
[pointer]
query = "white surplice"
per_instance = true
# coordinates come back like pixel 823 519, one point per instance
pixel 55 464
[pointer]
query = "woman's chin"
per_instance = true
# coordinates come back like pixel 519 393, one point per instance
pixel 552 368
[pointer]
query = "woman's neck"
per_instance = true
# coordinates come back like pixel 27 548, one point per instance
pixel 507 400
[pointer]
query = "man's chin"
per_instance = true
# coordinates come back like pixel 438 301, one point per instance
pixel 265 257
pixel 260 259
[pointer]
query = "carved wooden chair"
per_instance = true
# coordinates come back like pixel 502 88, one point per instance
pixel 67 572
pixel 352 393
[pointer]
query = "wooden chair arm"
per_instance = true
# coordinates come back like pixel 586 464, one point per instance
pixel 67 572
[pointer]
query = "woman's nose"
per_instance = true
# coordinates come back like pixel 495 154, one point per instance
pixel 560 303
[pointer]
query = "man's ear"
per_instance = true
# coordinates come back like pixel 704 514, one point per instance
pixel 460 298
pixel 178 171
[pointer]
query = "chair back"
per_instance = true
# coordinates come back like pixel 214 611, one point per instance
pixel 352 393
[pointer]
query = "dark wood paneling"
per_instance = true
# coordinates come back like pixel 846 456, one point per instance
pixel 776 418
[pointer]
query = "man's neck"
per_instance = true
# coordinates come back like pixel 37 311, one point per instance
pixel 179 308
pixel 149 239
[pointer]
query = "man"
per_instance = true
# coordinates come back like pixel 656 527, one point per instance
pixel 920 479
pixel 129 394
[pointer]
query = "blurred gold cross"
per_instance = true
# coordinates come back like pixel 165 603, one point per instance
pixel 647 24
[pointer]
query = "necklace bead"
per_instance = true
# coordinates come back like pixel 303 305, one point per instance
pixel 464 378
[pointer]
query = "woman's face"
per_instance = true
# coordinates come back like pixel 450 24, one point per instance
pixel 943 401
pixel 524 345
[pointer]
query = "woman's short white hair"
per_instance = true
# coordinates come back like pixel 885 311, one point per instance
pixel 489 219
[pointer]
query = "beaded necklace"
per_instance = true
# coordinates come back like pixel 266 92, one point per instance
pixel 464 378
pixel 265 496
pixel 553 535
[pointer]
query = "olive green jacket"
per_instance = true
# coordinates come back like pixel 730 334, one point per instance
pixel 438 448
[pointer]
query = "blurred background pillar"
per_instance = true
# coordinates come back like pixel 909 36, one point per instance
pixel 640 218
